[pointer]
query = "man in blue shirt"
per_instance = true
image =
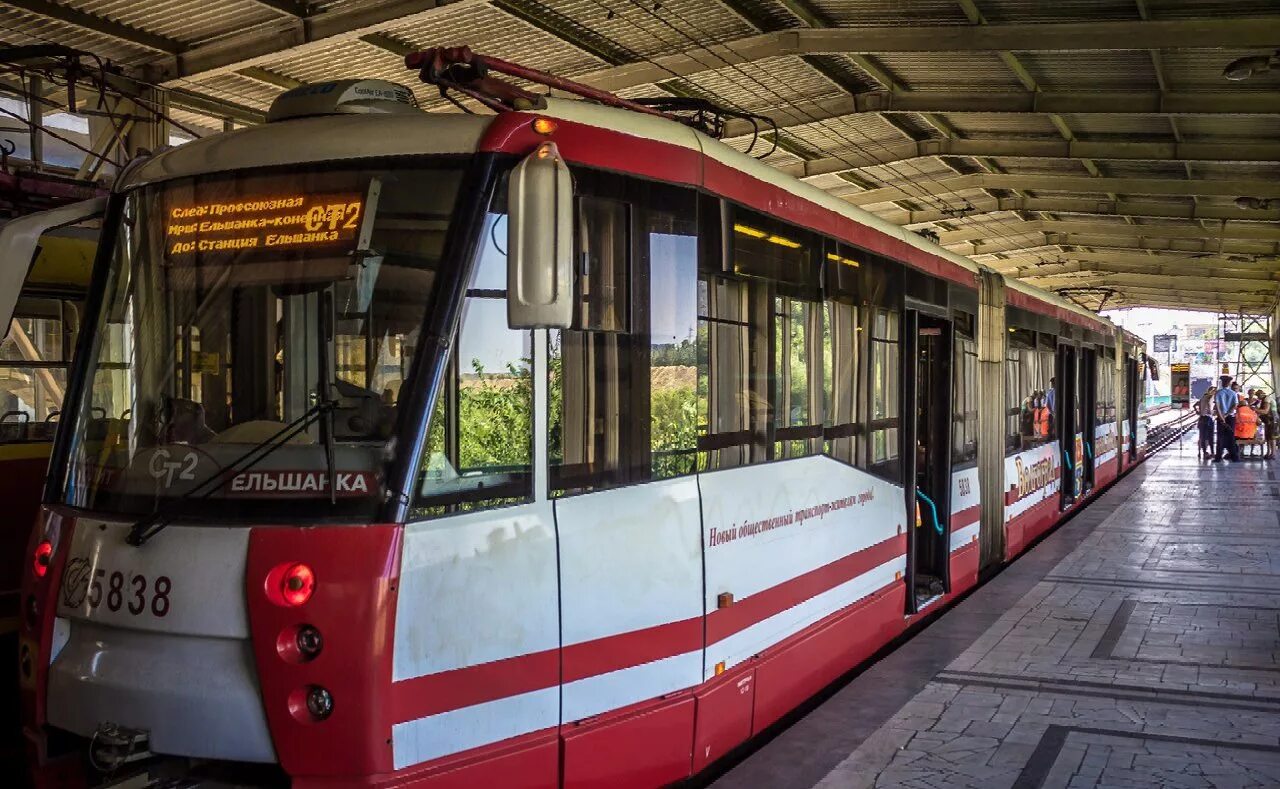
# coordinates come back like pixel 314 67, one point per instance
pixel 1225 403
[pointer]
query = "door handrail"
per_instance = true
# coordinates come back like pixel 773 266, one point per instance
pixel 933 509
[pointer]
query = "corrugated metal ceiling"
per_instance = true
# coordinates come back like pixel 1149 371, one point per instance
pixel 577 37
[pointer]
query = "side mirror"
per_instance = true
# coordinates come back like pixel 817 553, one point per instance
pixel 540 242
pixel 19 240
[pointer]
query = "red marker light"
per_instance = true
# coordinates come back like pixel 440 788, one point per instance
pixel 297 584
pixel 44 555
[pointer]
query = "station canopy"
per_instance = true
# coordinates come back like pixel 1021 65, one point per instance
pixel 1120 152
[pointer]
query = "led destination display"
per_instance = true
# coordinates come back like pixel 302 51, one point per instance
pixel 290 222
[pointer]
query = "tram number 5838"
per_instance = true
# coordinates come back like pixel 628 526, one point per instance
pixel 135 595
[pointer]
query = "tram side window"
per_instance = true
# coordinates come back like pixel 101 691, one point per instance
pixel 590 367
pixel 670 240
pixel 1028 372
pixel 964 430
pixel 784 262
pixel 1106 401
pixel 842 340
pixel 480 442
pixel 33 366
pixel 885 381
pixel 1013 396
pixel 731 402
pixel 623 382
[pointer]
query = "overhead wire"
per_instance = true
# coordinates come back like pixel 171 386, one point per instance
pixel 709 40
pixel 42 128
pixel 703 42
pixel 52 73
pixel 103 84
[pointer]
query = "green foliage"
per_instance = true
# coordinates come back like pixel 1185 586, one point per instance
pixel 495 418
pixel 681 354
pixel 674 426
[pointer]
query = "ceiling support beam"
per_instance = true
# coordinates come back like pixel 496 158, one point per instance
pixel 1072 183
pixel 1041 149
pixel 1181 287
pixel 1235 232
pixel 1084 205
pixel 810 17
pixel 271 78
pixel 1202 303
pixel 1019 261
pixel 1187 283
pixel 1051 102
pixel 1222 32
pixel 1052 243
pixel 99 24
pixel 296 8
pixel 259 46
pixel 1155 267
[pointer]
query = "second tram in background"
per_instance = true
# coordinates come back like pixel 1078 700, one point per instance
pixel 563 446
pixel 41 299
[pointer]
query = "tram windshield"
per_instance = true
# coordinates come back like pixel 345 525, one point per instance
pixel 238 307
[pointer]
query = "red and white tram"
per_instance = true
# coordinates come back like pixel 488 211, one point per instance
pixel 560 446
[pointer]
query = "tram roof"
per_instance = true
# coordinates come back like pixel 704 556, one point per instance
pixel 1092 148
pixel 338 137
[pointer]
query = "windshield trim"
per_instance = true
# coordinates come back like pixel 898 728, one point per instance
pixel 440 318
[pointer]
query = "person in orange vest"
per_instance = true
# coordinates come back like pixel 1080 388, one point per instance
pixel 1041 415
pixel 1246 426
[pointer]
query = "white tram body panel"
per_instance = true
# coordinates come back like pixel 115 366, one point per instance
pixel 630 566
pixel 158 640
pixel 966 508
pixel 792 532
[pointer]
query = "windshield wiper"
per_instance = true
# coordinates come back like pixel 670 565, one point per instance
pixel 155 523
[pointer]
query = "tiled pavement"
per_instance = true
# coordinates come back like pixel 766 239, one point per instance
pixel 1139 645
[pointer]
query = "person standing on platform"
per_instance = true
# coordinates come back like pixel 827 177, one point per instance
pixel 1225 402
pixel 1204 410
pixel 1266 415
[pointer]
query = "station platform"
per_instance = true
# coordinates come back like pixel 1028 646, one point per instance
pixel 1138 645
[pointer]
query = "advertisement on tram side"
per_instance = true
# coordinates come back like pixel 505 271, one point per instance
pixel 1031 477
pixel 1104 444
pixel 767 528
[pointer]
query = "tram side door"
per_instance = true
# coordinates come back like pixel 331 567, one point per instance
pixel 1088 410
pixel 928 393
pixel 1064 415
pixel 1132 398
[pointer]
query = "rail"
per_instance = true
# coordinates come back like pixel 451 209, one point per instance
pixel 1168 431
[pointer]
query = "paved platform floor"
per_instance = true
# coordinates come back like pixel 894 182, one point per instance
pixel 1137 646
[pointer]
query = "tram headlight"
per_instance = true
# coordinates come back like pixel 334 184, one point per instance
pixel 297 584
pixel 44 555
pixel 319 702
